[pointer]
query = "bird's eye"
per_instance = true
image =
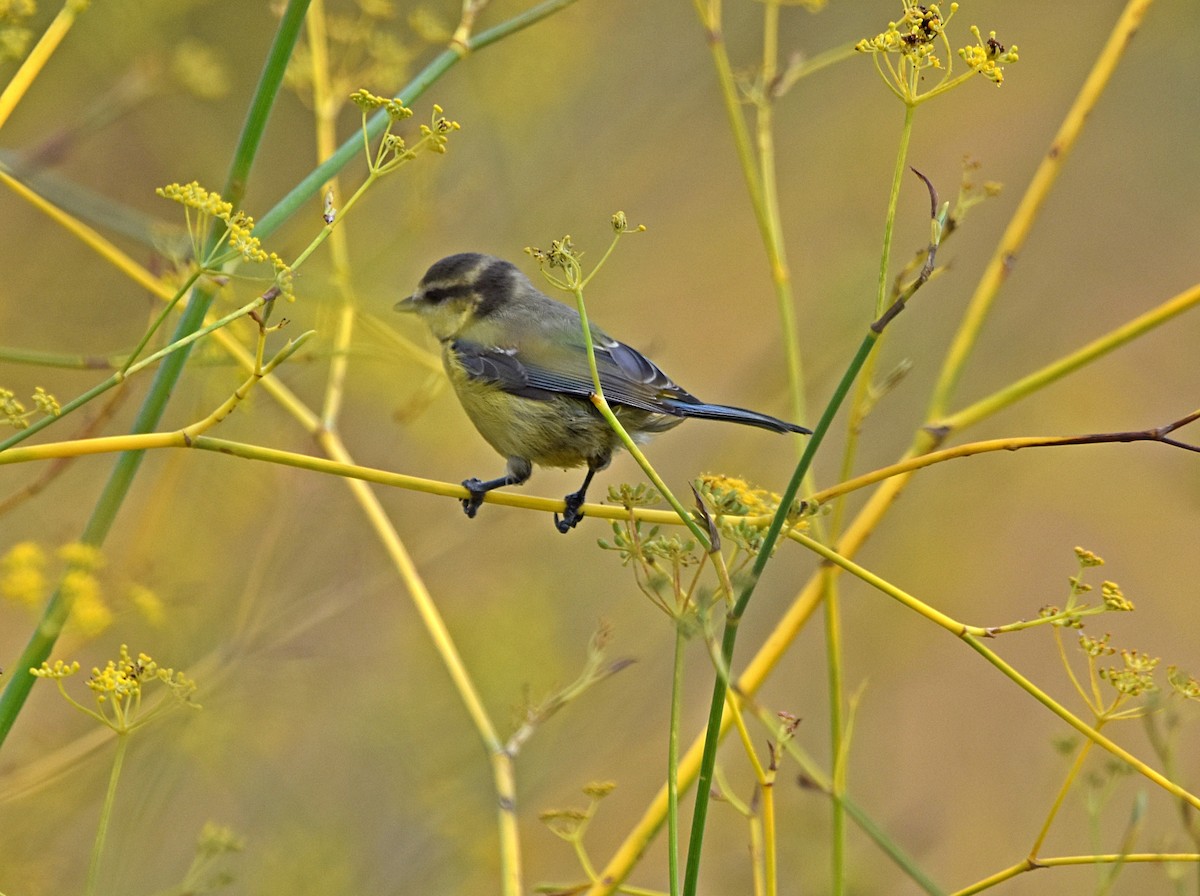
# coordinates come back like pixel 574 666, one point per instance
pixel 437 294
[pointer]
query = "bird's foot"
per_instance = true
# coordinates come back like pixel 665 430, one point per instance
pixel 471 504
pixel 571 513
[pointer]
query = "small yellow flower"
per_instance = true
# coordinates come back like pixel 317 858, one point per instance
pixel 195 196
pixel 988 57
pixel 1096 647
pixel 1114 599
pixel 732 496
pixel 22 573
pixel 369 102
pixel 14 36
pixel 84 556
pixel 199 69
pixel 46 403
pixel 59 670
pixel 1087 558
pixel 90 613
pixel 14 412
pixel 1184 685
pixel 1137 675
pixel 118 687
pixel 147 603
pixel 564 822
pixel 599 789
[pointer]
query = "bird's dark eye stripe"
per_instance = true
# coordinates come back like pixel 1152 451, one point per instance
pixel 437 294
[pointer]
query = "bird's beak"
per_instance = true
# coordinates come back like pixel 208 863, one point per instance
pixel 405 305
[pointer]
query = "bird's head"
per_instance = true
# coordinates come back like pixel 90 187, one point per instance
pixel 462 289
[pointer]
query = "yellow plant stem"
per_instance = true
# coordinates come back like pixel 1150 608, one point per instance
pixel 1082 727
pixel 838 744
pixel 972 635
pixel 673 760
pixel 770 222
pixel 1063 861
pixel 90 238
pixel 1082 356
pixel 38 57
pixel 139 275
pixel 765 779
pixel 1019 227
pixel 906 467
pixel 1072 775
pixel 324 428
pixel 933 615
pixel 325 112
pixel 503 773
pixel 190 433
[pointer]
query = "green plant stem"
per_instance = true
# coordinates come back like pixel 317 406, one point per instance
pixel 45 635
pixel 106 812
pixel 65 361
pixel 889 225
pixel 315 181
pixel 704 779
pixel 673 761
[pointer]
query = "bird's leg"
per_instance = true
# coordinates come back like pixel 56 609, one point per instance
pixel 571 513
pixel 519 471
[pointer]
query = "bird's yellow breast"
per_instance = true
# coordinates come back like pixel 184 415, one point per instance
pixel 561 431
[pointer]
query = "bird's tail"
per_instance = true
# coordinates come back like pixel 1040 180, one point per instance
pixel 730 414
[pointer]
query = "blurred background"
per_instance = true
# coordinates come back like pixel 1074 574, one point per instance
pixel 331 737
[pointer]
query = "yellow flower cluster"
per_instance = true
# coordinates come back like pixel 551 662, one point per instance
pixel 988 57
pixel 239 230
pixel 22 573
pixel 14 36
pixel 913 36
pixel 23 580
pixel 196 197
pixel 119 685
pixel 369 102
pixel 910 46
pixel 15 413
pixel 435 132
pixel 1114 598
pixel 1136 677
pixel 731 496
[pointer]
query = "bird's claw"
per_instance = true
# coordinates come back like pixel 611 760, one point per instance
pixel 571 513
pixel 471 504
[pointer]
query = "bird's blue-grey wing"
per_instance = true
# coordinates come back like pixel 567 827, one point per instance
pixel 498 367
pixel 543 370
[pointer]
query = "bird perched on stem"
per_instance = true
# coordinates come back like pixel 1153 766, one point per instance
pixel 518 361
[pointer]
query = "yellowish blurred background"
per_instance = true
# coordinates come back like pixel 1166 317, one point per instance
pixel 331 737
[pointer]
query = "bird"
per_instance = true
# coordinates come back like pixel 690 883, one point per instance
pixel 518 363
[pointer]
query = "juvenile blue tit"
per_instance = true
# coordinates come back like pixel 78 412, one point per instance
pixel 518 362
